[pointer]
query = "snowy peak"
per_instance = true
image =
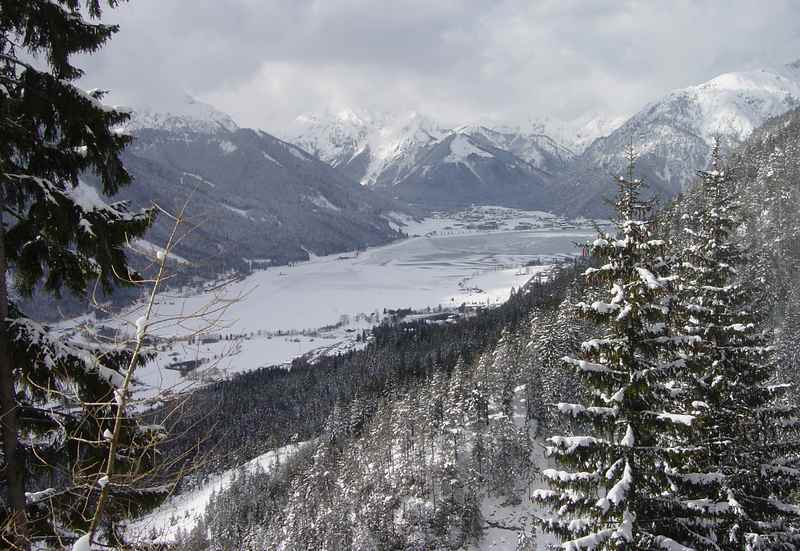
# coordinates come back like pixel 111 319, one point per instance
pixel 185 114
pixel 673 136
pixel 364 143
pixel 576 134
pixel 462 148
pixel 587 129
pixel 734 104
pixel 332 137
pixel 397 146
pixel 536 148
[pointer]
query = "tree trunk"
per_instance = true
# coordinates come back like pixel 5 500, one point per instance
pixel 18 526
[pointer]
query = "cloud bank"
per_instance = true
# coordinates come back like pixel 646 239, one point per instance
pixel 266 61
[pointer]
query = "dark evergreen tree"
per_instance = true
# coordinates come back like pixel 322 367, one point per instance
pixel 506 360
pixel 614 497
pixel 553 333
pixel 51 236
pixel 788 344
pixel 455 411
pixel 738 469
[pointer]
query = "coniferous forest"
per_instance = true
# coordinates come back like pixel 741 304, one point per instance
pixel 643 399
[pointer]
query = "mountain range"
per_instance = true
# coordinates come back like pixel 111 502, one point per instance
pixel 250 196
pixel 547 165
pixel 338 180
pixel 417 160
pixel 673 136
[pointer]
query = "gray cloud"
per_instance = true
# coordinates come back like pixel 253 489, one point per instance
pixel 265 61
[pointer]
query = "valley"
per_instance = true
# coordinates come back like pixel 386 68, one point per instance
pixel 422 276
pixel 452 264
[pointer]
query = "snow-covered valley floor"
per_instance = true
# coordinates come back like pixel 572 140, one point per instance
pixel 323 305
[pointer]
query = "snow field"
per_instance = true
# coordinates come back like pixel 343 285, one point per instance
pixel 320 306
pixel 180 512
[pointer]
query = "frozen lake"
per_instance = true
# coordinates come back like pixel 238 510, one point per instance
pixel 415 273
pixel 348 291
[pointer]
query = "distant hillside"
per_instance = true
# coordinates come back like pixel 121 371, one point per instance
pixel 417 160
pixel 251 195
pixel 673 136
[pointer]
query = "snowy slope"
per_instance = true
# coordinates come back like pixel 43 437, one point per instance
pixel 582 132
pixel 673 136
pixel 533 145
pixel 180 114
pixel 735 104
pixel 180 512
pixel 370 147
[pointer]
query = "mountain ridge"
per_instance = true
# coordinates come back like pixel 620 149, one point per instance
pixel 673 135
pixel 253 195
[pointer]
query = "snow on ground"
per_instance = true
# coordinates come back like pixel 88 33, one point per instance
pixel 494 287
pixel 180 512
pixel 240 212
pixel 461 148
pixel 504 521
pixel 482 219
pixel 272 159
pixel 323 202
pixel 323 305
pixel 227 147
pixel 197 178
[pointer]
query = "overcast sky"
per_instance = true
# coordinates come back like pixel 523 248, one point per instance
pixel 266 61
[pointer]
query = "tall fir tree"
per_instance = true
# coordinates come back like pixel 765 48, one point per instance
pixel 613 499
pixel 51 237
pixel 739 470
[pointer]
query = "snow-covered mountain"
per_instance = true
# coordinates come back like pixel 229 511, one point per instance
pixel 575 134
pixel 373 148
pixel 252 195
pixel 182 114
pixel 673 136
pixel 411 155
pixel 533 145
pixel 464 167
pixel 419 160
pixel 333 137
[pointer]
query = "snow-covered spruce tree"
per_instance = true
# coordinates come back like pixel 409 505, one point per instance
pixel 49 234
pixel 506 359
pixel 553 333
pixel 455 409
pixel 612 496
pixel 742 476
pixel 788 344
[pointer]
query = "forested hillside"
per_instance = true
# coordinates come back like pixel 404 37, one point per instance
pixel 412 440
pixel 371 400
